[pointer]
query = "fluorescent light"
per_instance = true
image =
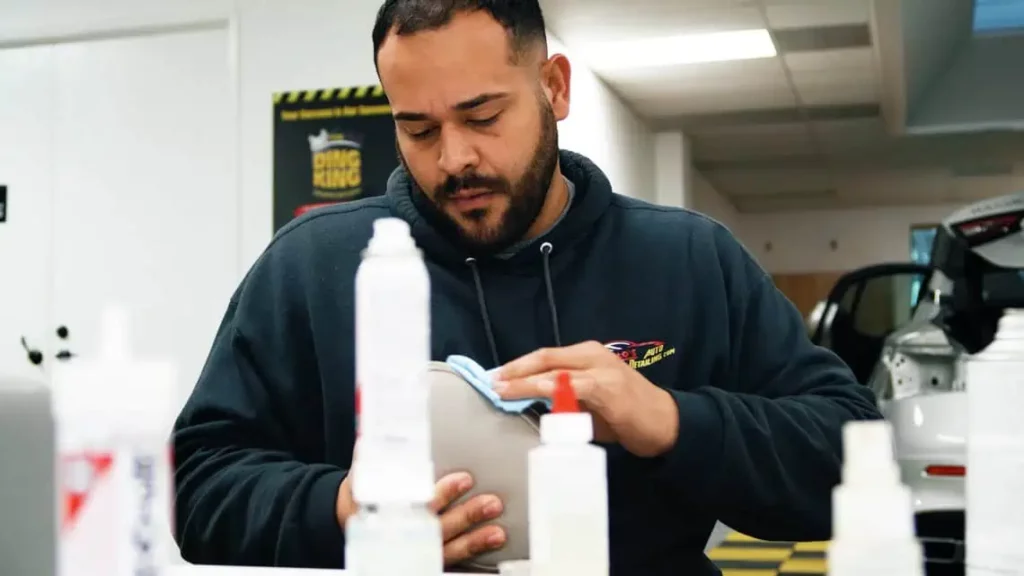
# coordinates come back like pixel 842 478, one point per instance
pixel 679 50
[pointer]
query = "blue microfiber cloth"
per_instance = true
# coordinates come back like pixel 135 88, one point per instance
pixel 481 380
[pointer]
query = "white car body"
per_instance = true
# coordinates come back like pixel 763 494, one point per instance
pixel 921 391
pixel 977 271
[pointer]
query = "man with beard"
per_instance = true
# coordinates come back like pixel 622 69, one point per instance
pixel 710 399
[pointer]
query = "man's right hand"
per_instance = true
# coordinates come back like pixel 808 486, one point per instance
pixel 464 538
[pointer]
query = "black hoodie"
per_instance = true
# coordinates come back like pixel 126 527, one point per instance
pixel 266 437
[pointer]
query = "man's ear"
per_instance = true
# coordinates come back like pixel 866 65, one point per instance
pixel 556 76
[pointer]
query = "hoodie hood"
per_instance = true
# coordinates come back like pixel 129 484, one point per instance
pixel 593 196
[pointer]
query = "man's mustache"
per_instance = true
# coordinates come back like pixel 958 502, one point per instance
pixel 455 184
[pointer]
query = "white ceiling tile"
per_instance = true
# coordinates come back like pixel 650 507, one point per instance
pixel 839 96
pixel 741 132
pixel 711 103
pixel 751 141
pixel 813 13
pixel 838 78
pixel 908 185
pixel 851 135
pixel 845 77
pixel 684 89
pixel 556 6
pixel 851 58
pixel 602 22
pixel 711 74
pixel 749 182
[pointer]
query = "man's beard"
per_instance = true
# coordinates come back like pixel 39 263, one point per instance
pixel 526 196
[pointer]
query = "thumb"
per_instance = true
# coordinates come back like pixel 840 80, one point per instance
pixel 345 506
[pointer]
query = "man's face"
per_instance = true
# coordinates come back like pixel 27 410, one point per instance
pixel 477 132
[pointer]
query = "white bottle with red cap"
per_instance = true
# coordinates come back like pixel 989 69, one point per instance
pixel 568 492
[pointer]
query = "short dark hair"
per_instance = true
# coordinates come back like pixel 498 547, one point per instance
pixel 522 19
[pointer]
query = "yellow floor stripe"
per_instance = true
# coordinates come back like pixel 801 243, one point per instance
pixel 804 566
pixel 739 537
pixel 756 554
pixel 811 547
pixel 749 572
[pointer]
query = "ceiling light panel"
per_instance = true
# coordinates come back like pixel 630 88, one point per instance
pixel 678 50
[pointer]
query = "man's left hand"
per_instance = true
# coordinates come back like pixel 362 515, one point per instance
pixel 626 407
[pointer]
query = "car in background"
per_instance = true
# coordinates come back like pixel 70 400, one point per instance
pixel 906 331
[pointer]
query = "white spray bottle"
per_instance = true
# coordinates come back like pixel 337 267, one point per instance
pixel 394 532
pixel 114 416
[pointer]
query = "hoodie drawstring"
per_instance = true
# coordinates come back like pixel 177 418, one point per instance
pixel 471 262
pixel 545 249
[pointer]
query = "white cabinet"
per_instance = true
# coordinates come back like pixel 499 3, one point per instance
pixel 138 202
pixel 26 168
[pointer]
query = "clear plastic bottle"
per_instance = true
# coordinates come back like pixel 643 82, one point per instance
pixel 114 415
pixel 568 493
pixel 394 533
pixel 872 510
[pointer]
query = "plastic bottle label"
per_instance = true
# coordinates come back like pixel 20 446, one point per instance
pixel 79 474
pixel 116 511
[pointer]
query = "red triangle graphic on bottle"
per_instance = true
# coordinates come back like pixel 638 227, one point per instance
pixel 75 497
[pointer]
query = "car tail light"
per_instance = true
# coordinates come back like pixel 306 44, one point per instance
pixel 991 228
pixel 945 470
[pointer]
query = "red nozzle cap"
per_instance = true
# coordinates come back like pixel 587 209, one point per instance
pixel 564 398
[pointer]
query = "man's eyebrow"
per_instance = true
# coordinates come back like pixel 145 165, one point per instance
pixel 479 101
pixel 461 107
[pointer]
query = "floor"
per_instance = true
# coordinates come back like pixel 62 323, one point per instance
pixel 740 555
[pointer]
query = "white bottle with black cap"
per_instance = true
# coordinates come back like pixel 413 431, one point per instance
pixel 568 492
pixel 393 532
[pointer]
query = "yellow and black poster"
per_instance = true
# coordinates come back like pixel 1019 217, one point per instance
pixel 332 145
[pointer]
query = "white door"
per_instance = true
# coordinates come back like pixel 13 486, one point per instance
pixel 26 167
pixel 145 201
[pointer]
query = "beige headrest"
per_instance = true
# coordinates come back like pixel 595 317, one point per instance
pixel 470 435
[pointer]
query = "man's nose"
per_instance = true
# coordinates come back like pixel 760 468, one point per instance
pixel 457 154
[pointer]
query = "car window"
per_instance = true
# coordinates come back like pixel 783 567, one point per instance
pixel 883 303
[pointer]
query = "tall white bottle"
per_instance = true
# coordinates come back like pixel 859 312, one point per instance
pixel 995 452
pixel 872 511
pixel 394 533
pixel 114 415
pixel 568 493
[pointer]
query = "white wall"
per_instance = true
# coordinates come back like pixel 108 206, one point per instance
pixel 800 241
pixel 707 200
pixel 281 47
pixel 288 45
pixel 601 127
pixel 24 21
pixel 678 183
pixel 673 167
